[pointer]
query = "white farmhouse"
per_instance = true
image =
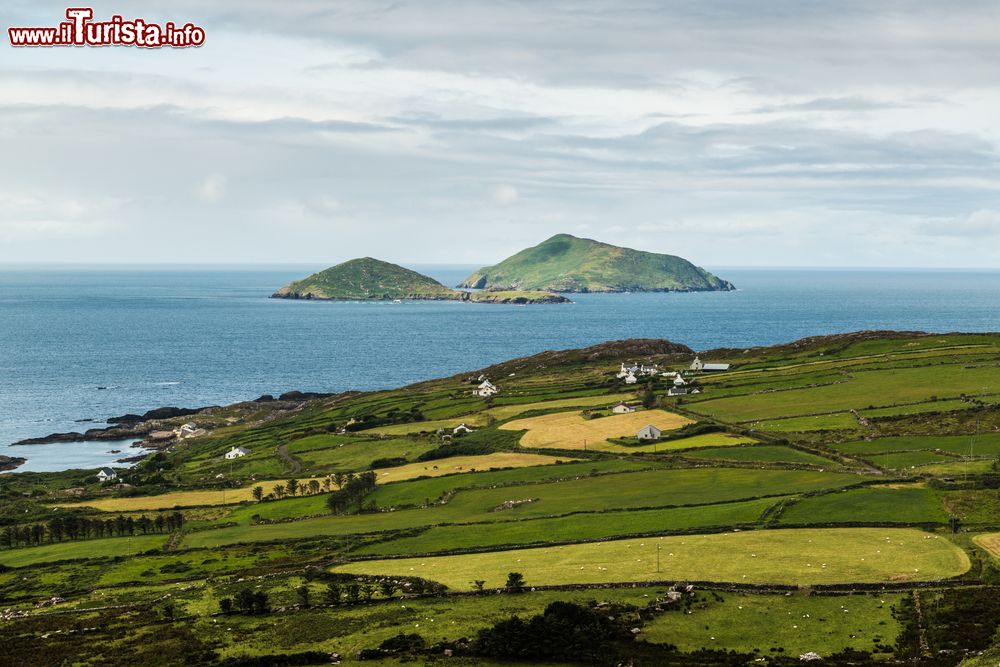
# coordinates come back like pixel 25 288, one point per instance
pixel 622 409
pixel 106 475
pixel 486 389
pixel 649 432
pixel 630 379
pixel 237 453
pixel 462 429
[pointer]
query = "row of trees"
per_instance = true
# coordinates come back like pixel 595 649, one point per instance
pixel 352 491
pixel 245 601
pixel 71 527
pixel 294 487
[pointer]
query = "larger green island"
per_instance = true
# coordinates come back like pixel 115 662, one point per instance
pixel 832 500
pixel 566 263
pixel 369 279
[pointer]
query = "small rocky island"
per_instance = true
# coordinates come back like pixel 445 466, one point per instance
pixel 566 263
pixel 369 279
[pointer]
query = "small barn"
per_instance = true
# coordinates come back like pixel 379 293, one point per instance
pixel 622 409
pixel 649 432
pixel 237 453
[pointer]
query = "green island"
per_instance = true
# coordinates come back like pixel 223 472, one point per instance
pixel 566 263
pixel 834 500
pixel 369 279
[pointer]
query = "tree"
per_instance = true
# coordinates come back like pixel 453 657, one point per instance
pixel 279 491
pixel 169 610
pixel 954 522
pixel 314 486
pixel 292 486
pixel 368 590
pixel 331 595
pixel 260 602
pixel 327 483
pixel 515 582
pixel 478 585
pixel 387 587
pixel 226 605
pixel 303 593
pixel 353 591
pixel 258 493
pixel 244 601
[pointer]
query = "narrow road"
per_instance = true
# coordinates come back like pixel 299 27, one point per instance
pixel 294 465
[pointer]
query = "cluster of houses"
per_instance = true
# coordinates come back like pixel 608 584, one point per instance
pixel 632 372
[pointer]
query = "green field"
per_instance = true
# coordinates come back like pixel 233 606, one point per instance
pixel 801 557
pixel 798 623
pixel 762 453
pixel 908 504
pixel 831 422
pixel 95 548
pixel 984 444
pixel 576 527
pixel 864 388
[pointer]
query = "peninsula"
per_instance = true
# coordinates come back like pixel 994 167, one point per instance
pixel 370 279
pixel 566 263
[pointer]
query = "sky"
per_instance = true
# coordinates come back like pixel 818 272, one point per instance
pixel 777 133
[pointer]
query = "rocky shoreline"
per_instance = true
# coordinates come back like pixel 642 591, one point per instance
pixel 141 427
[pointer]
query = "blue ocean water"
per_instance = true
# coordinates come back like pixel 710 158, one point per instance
pixel 191 337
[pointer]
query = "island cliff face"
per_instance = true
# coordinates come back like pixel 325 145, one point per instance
pixel 565 263
pixel 372 279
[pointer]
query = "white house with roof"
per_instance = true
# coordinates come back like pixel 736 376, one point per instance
pixel 237 453
pixel 106 475
pixel 649 432
pixel 462 429
pixel 622 409
pixel 636 370
pixel 631 379
pixel 486 389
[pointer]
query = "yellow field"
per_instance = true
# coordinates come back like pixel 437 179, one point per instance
pixel 456 464
pixel 569 430
pixel 990 542
pixel 799 556
pixel 500 413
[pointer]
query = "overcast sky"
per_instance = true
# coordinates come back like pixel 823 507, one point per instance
pixel 773 133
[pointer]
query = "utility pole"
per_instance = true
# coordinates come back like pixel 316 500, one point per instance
pixel 657 557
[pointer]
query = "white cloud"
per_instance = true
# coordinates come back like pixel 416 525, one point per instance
pixel 504 195
pixel 212 188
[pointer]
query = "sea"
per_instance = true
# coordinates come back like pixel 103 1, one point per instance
pixel 83 343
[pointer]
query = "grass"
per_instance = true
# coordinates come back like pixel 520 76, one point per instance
pixel 353 456
pixel 647 489
pixel 418 492
pixel 798 624
pixel 799 557
pixel 909 504
pixel 762 453
pixel 861 390
pixel 576 527
pixel 974 506
pixel 465 464
pixel 984 444
pixel 500 413
pixel 692 442
pixel 569 430
pixel 830 422
pixel 958 468
pixel 912 459
pixel 96 548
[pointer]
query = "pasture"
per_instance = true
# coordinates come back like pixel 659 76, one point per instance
pixel 990 542
pixel 798 624
pixel 798 557
pixel 570 430
pixel 761 453
pixel 873 504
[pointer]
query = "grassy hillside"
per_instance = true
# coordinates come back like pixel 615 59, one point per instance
pixel 829 494
pixel 372 279
pixel 565 263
